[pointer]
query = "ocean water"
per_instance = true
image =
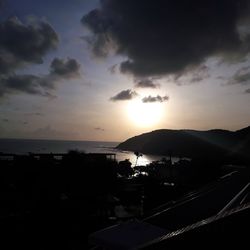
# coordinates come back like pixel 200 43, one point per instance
pixel 22 146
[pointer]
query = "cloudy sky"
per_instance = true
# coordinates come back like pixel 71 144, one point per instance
pixel 111 69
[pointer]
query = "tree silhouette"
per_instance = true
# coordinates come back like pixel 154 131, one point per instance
pixel 137 157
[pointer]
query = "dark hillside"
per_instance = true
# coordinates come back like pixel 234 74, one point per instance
pixel 191 143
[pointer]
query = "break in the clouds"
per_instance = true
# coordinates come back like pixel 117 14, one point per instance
pixel 124 95
pixel 146 83
pixel 158 98
pixel 167 37
pixel 40 85
pixel 24 43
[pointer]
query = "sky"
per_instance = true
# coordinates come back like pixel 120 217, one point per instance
pixel 111 69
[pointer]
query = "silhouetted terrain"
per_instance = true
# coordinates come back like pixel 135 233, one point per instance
pixel 216 143
pixel 55 201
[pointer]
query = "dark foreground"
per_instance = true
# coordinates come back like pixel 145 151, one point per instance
pixel 60 201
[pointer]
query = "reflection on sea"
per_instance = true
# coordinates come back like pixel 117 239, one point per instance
pixel 20 146
pixel 142 160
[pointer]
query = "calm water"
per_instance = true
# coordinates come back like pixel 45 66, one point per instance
pixel 20 146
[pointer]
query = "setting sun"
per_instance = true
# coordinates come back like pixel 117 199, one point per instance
pixel 145 114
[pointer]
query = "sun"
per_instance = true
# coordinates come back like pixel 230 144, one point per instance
pixel 145 114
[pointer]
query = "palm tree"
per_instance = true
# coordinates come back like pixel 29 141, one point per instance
pixel 137 156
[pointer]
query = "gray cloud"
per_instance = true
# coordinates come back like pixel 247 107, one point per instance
pixel 24 43
pixel 167 37
pixel 192 75
pixel 40 85
pixel 242 76
pixel 247 91
pixel 146 83
pixel 113 69
pixel 65 68
pixel 124 95
pixel 60 69
pixel 200 74
pixel 24 83
pixel 34 114
pixel 242 79
pixel 157 98
pixel 99 129
pixel 5 120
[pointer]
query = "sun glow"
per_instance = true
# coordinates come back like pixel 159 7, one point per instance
pixel 145 114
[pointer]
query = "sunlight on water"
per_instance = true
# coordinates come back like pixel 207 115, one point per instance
pixel 142 161
pixel 50 146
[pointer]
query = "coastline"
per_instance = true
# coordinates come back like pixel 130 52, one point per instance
pixel 25 146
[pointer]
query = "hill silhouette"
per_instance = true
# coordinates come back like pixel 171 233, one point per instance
pixel 216 143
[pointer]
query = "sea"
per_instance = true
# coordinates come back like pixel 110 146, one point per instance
pixel 25 146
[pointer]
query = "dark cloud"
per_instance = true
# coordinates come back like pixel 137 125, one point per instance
pixel 60 69
pixel 5 120
pixel 247 91
pixel 146 83
pixel 65 68
pixel 242 76
pixel 24 43
pixel 40 85
pixel 24 83
pixel 165 37
pixel 124 95
pixel 157 98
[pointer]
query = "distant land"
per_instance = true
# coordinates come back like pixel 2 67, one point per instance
pixel 215 143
